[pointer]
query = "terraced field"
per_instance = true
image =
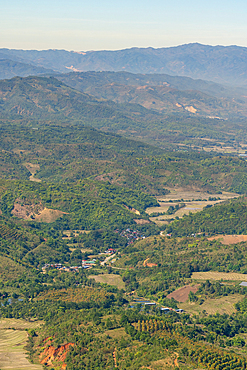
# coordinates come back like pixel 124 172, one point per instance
pixel 12 343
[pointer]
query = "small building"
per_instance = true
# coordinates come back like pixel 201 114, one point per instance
pixel 165 310
pixel 244 283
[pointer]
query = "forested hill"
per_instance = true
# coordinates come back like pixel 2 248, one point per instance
pixel 47 98
pixel 227 218
pixel 223 64
pixel 71 153
pixel 39 100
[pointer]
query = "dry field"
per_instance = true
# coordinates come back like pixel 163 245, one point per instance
pixel 229 239
pixel 192 206
pixel 212 306
pixel 181 193
pixel 49 215
pixel 69 233
pixel 225 276
pixel 182 294
pixel 12 342
pixel 110 279
pixel 19 324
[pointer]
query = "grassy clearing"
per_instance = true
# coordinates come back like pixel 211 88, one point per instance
pixel 225 276
pixel 109 279
pixel 12 353
pixel 212 306
pixel 117 333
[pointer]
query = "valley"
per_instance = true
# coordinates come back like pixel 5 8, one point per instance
pixel 123 206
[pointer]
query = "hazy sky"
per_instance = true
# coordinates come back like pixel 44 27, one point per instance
pixel 107 24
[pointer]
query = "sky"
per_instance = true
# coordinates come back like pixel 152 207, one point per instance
pixel 116 24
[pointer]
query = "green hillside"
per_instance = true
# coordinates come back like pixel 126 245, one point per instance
pixel 46 98
pixel 69 154
pixel 227 218
pixel 38 101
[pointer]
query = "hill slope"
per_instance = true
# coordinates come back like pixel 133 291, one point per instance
pixel 162 93
pixel 48 100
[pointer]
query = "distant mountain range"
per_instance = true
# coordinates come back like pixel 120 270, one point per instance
pixel 221 64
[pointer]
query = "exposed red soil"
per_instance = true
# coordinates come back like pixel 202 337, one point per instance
pixel 182 294
pixel 149 264
pixel 114 357
pixel 55 354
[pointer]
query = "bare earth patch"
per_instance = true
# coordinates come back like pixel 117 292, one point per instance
pixel 33 168
pixel 212 275
pixel 229 239
pixel 140 221
pixel 110 279
pixel 182 294
pixel 36 212
pixel 49 215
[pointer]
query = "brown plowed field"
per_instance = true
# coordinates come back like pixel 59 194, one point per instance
pixel 182 294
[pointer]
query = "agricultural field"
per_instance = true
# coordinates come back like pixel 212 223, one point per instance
pixel 110 279
pixel 13 338
pixel 220 305
pixel 193 202
pixel 219 276
pixel 182 294
pixel 229 239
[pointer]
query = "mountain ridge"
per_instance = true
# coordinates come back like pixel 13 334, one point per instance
pixel 222 64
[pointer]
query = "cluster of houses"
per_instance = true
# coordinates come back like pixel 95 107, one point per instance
pixel 163 310
pixel 131 235
pixel 59 266
pixel 110 251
